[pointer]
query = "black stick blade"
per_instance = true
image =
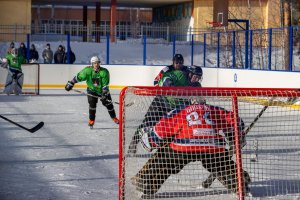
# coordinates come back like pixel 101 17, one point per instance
pixel 36 128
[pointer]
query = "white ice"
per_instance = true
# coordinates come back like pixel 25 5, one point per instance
pixel 63 160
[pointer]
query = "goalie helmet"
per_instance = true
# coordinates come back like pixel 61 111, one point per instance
pixel 95 59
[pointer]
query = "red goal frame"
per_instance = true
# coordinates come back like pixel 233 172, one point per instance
pixel 232 93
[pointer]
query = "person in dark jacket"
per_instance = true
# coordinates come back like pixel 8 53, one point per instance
pixel 33 54
pixel 59 55
pixel 47 54
pixel 22 50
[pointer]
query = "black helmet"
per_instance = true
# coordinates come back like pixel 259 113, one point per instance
pixel 197 70
pixel 178 58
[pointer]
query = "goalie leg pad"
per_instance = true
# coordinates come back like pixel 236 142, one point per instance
pixel 18 83
pixel 157 170
pixel 223 168
pixel 229 179
pixel 9 83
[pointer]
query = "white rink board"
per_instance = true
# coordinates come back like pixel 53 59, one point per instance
pixel 140 75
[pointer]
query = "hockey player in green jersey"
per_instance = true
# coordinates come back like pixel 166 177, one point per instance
pixel 14 80
pixel 97 80
pixel 162 105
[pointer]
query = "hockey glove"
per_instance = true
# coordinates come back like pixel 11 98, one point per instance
pixel 69 86
pixel 197 101
pixel 103 97
pixel 4 63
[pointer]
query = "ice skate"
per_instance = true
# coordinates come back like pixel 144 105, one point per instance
pixel 91 123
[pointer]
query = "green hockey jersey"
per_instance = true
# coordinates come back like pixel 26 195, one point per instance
pixel 175 78
pixel 95 81
pixel 15 62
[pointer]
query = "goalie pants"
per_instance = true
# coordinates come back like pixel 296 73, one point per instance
pixel 166 162
pixel 14 82
pixel 159 107
pixel 107 102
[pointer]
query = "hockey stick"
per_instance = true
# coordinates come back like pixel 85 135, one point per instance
pixel 212 176
pixel 81 92
pixel 31 130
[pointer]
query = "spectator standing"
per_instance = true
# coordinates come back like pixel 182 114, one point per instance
pixel 59 55
pixel 33 54
pixel 47 54
pixel 22 50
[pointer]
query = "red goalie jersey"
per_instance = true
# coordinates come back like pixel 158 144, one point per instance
pixel 196 128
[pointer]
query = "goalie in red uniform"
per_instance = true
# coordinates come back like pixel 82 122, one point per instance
pixel 199 132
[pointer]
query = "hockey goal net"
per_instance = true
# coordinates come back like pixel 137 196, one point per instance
pixel 31 81
pixel 182 154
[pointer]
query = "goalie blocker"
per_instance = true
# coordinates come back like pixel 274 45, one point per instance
pixel 190 135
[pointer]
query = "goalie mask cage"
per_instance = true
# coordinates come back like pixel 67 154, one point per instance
pixel 267 167
pixel 31 81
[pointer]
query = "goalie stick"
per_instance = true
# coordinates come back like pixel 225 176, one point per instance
pixel 81 92
pixel 31 130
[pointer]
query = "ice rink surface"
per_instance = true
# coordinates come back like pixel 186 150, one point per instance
pixel 63 160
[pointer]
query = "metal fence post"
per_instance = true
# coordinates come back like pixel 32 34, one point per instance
pixel 251 50
pixel 107 49
pixel 174 45
pixel 28 47
pixel 145 48
pixel 218 50
pixel 270 49
pixel 247 44
pixel 204 49
pixel 192 49
pixel 233 49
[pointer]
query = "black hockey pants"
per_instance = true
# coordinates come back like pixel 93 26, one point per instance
pixel 106 101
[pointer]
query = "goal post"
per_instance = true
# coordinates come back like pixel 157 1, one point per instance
pixel 31 81
pixel 245 140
